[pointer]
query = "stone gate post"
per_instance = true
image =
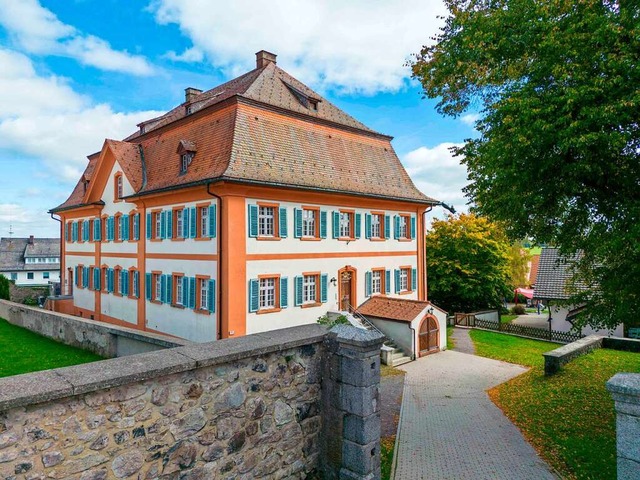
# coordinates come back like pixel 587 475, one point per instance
pixel 625 389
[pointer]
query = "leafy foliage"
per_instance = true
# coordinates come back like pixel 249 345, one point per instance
pixel 4 288
pixel 332 322
pixel 557 155
pixel 519 265
pixel 518 309
pixel 467 263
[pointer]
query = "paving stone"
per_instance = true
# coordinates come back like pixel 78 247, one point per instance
pixel 450 429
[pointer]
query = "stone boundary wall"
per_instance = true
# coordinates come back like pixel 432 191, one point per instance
pixel 292 403
pixel 103 339
pixel 555 359
pixel 625 390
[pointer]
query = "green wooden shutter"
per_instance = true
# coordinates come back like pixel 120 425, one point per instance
pixel 74 232
pixel 297 223
pixel 254 295
pixel 193 227
pixel 387 281
pixel 284 292
pixel 323 287
pixel 66 232
pixel 169 289
pixel 149 230
pixel 192 292
pixel 212 295
pixel 298 291
pixel 336 224
pixel 413 228
pixel 147 285
pixel 169 215
pixel 323 224
pixel 358 220
pixel 163 288
pixel 185 223
pixel 97 224
pixel 282 220
pixel 253 221
pixel 127 227
pixel 414 279
pixel 387 227
pixel 136 226
pixel 185 292
pixel 396 274
pixel 110 280
pixel 367 225
pixel 396 226
pixel 212 224
pixel 85 230
pixel 136 284
pixel 367 284
pixel 163 225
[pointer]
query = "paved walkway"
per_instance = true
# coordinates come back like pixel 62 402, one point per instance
pixel 450 429
pixel 532 320
pixel 462 340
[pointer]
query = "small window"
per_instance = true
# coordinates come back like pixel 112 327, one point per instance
pixel 14 276
pixel 189 109
pixel 313 104
pixel 203 213
pixel 376 281
pixel 203 285
pixel 267 293
pixel 310 289
pixel 157 224
pixel 403 226
pixel 404 280
pixel 157 287
pixel 178 223
pixel 178 287
pixel 309 223
pixel 118 186
pixel 377 227
pixel 185 161
pixel 45 275
pixel 266 221
pixel 29 275
pixel 346 222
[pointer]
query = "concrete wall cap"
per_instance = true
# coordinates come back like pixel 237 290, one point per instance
pixel 625 383
pixel 356 336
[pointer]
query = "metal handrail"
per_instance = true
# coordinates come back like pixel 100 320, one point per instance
pixel 364 320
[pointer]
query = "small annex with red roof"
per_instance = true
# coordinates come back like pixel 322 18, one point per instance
pixel 252 206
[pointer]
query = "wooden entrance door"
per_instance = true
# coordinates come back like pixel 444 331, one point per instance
pixel 429 336
pixel 346 292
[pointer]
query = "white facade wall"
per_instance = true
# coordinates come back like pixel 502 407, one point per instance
pixel 38 277
pixel 559 322
pixel 441 317
pixel 361 254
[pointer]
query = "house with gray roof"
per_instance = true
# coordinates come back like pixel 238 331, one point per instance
pixel 553 282
pixel 30 262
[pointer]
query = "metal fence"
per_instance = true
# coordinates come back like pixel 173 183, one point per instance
pixel 525 331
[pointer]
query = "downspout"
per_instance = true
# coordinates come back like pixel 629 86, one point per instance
pixel 424 252
pixel 218 264
pixel 62 263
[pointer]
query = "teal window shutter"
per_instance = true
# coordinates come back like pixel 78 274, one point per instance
pixel 185 223
pixel 110 280
pixel 212 224
pixel 169 294
pixel 253 221
pixel 367 225
pixel 163 288
pixel 358 219
pixel 96 229
pixel 282 220
pixel 147 285
pixel 414 279
pixel 136 226
pixel 149 230
pixel 298 292
pixel 169 215
pixel 192 292
pixel 284 292
pixel 396 274
pixel 254 295
pixel 127 233
pixel 77 272
pixel 185 291
pixel 297 223
pixel 85 230
pixel 136 284
pixel 336 224
pixel 387 227
pixel 387 281
pixel 323 224
pixel 413 228
pixel 367 284
pixel 396 226
pixel 74 232
pixel 212 295
pixel 193 227
pixel 110 229
pixel 66 232
pixel 323 287
pixel 163 225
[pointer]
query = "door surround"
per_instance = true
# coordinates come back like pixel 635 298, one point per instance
pixel 429 335
pixel 347 270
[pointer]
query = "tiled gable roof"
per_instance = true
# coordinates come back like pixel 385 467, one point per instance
pixel 256 129
pixel 13 250
pixel 393 308
pixel 43 247
pixel 555 273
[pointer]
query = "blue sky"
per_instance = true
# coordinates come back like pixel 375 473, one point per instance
pixel 73 73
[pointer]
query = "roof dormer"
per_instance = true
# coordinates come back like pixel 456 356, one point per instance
pixel 186 150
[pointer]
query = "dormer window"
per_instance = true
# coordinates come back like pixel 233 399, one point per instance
pixel 313 104
pixel 185 161
pixel 189 109
pixel 142 129
pixel 117 187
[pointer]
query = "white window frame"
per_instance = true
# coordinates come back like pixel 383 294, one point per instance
pixel 376 281
pixel 133 281
pixel 309 289
pixel 403 227
pixel 376 225
pixel 178 222
pixel 204 221
pixel 204 293
pixel 404 279
pixel 179 290
pixel 158 224
pixel 119 187
pixel 308 223
pixel 345 224
pixel 267 293
pixel 185 161
pixel 157 290
pixel 266 221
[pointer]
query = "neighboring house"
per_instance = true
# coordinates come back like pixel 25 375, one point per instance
pixel 253 206
pixel 554 277
pixel 30 262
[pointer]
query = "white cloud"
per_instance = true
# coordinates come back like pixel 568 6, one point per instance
pixel 357 45
pixel 37 30
pixel 192 54
pixel 470 119
pixel 439 174
pixel 42 117
pixel 23 222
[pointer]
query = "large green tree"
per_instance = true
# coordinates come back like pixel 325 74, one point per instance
pixel 468 263
pixel 556 83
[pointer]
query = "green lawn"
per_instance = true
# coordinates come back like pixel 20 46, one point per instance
pixel 22 351
pixel 507 318
pixel 450 342
pixel 569 417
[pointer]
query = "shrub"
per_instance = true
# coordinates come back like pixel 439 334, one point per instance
pixel 339 320
pixel 4 288
pixel 518 310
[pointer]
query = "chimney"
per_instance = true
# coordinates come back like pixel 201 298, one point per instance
pixel 30 239
pixel 264 58
pixel 190 93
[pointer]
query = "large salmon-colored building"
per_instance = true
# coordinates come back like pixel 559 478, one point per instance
pixel 253 206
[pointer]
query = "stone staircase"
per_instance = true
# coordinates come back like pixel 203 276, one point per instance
pixel 391 353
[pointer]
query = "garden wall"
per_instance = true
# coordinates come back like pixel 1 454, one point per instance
pixel 103 339
pixel 281 404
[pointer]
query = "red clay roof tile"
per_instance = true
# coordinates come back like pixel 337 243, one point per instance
pixel 393 308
